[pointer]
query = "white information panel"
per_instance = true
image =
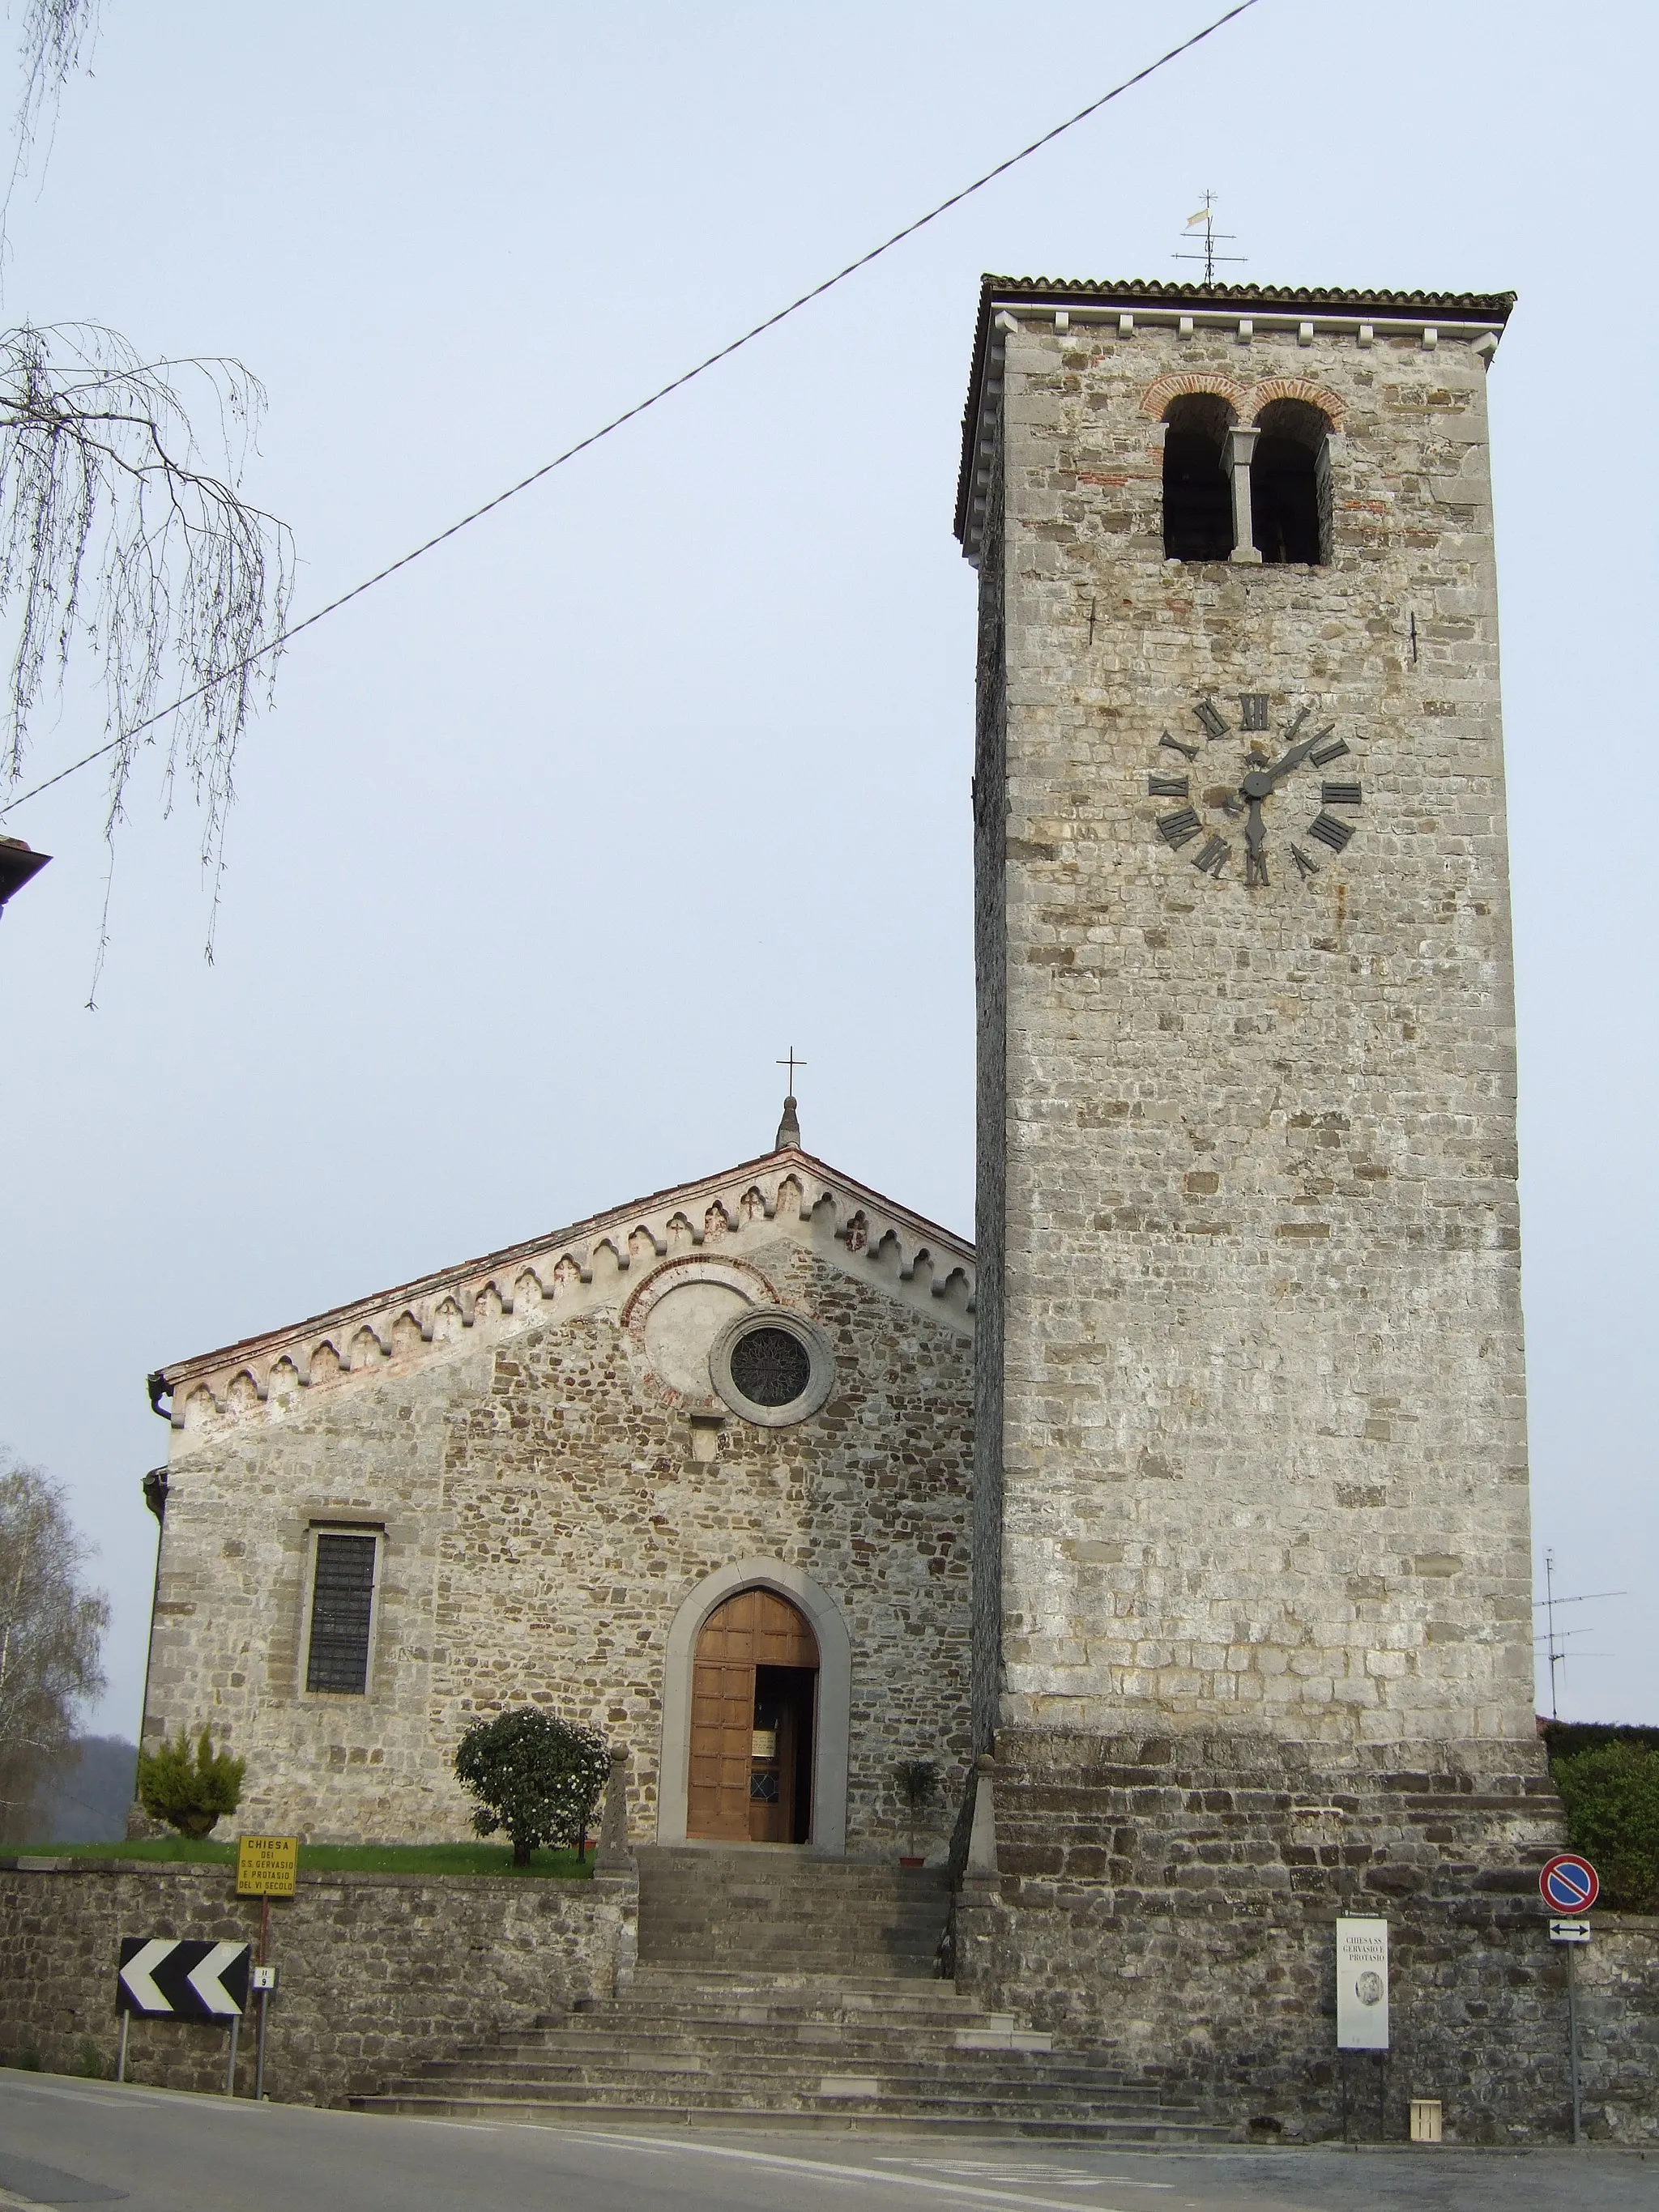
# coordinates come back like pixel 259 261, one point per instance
pixel 1362 1984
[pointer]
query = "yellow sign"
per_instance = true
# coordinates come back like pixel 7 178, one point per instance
pixel 265 1865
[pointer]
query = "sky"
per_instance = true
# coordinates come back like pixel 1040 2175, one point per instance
pixel 552 847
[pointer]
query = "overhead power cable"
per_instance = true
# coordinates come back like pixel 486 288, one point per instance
pixel 641 406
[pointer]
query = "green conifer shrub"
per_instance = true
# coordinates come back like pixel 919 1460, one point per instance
pixel 190 1790
pixel 534 1775
pixel 1612 1797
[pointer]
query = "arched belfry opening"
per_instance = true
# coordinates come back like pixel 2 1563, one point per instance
pixel 1198 512
pixel 754 1716
pixel 1290 483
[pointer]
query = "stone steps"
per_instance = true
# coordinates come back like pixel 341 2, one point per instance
pixel 752 1909
pixel 668 1987
pixel 969 2120
pixel 730 2038
pixel 957 2072
pixel 781 1991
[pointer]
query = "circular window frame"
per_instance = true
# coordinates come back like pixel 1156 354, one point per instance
pixel 821 1364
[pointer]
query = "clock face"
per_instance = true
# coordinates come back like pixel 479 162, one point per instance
pixel 1252 803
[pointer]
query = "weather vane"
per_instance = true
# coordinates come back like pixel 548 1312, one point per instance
pixel 1209 257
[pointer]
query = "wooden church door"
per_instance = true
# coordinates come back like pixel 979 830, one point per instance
pixel 753 1685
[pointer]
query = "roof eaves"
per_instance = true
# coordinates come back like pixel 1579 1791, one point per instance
pixel 491 1263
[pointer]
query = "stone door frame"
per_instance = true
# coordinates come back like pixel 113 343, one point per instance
pixel 834 1728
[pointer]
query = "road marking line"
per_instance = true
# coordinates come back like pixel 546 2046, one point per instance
pixel 804 2167
pixel 1066 2176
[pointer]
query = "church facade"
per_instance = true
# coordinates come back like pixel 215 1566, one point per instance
pixel 695 1472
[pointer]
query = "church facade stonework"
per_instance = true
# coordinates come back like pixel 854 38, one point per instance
pixel 1255 1609
pixel 517 1482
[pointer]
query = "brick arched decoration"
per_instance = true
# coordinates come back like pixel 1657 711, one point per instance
pixel 1293 387
pixel 1246 398
pixel 1157 395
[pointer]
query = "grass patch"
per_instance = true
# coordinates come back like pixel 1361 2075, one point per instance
pixel 463 1859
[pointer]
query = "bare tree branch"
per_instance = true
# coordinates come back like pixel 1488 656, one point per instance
pixel 115 533
pixel 57 36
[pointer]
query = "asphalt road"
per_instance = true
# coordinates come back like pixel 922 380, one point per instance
pixel 71 2142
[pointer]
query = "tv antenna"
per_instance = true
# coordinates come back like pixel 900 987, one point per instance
pixel 1554 1638
pixel 1205 215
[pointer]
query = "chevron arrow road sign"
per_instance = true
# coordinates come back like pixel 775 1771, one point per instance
pixel 179 1978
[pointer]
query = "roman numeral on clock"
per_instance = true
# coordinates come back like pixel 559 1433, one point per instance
pixel 1306 867
pixel 1177 828
pixel 1167 744
pixel 1215 723
pixel 1322 755
pixel 1338 794
pixel 1253 710
pixel 1330 831
pixel 1166 787
pixel 1212 858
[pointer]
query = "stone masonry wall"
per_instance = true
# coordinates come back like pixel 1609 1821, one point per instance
pixel 1263 1436
pixel 991 1110
pixel 1173 1900
pixel 1618 2028
pixel 378 1971
pixel 547 1505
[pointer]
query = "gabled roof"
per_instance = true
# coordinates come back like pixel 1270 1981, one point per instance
pixel 1328 308
pixel 586 1265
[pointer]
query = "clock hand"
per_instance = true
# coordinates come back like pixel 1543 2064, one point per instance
pixel 1256 836
pixel 1260 781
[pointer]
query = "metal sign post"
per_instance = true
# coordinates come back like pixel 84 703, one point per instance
pixel 1572 1885
pixel 266 1867
pixel 265 1981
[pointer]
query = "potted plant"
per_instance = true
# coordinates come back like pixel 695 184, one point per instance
pixel 918 1784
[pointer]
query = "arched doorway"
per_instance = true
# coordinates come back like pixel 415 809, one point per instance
pixel 754 1708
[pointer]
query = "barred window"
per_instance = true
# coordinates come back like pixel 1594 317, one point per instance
pixel 342 1602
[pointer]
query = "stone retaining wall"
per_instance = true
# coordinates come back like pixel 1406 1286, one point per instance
pixel 1618 2028
pixel 378 1971
pixel 1174 1902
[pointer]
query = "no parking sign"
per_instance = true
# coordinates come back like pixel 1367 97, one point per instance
pixel 1570 1883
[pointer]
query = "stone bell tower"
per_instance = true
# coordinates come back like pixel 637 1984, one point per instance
pixel 1254 1619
